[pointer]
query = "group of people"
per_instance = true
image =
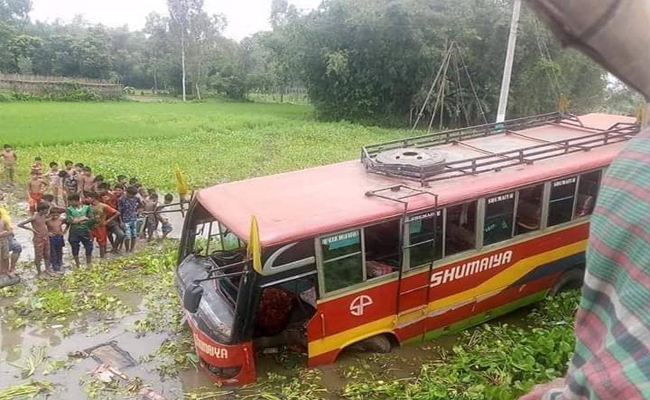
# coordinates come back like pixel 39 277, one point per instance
pixel 90 210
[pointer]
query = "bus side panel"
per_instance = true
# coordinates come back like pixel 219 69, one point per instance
pixel 535 266
pixel 349 319
pixel 462 293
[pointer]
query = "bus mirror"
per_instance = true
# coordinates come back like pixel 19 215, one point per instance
pixel 192 297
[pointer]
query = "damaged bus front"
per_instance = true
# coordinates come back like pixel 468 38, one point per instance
pixel 215 281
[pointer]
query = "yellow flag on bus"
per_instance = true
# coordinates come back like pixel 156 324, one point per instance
pixel 254 251
pixel 181 184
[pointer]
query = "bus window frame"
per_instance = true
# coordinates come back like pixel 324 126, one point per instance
pixel 445 259
pixel 484 199
pixel 406 239
pixel 270 268
pixel 322 291
pixel 575 194
pixel 602 172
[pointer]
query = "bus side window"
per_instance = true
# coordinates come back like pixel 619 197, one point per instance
pixel 460 229
pixel 560 208
pixel 587 193
pixel 499 213
pixel 342 260
pixel 529 210
pixel 382 248
pixel 422 248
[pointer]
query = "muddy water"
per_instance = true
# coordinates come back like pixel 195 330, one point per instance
pixel 402 362
pixel 16 345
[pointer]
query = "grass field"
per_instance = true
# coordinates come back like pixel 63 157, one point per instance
pixel 211 142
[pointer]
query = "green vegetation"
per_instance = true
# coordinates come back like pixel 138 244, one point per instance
pixel 211 142
pixel 493 362
pixel 27 390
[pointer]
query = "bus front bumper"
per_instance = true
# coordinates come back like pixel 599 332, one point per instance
pixel 225 364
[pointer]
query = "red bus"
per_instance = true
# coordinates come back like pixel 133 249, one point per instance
pixel 424 236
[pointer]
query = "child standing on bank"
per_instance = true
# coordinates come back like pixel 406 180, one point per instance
pixel 80 219
pixel 38 164
pixel 36 187
pixel 41 237
pixel 166 226
pixel 86 182
pixel 55 228
pixel 55 181
pixel 9 157
pixel 129 206
pixel 104 215
pixel 151 219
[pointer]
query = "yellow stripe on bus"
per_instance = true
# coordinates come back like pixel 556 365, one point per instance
pixel 488 288
pixel 346 338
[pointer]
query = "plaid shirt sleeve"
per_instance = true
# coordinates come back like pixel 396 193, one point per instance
pixel 612 355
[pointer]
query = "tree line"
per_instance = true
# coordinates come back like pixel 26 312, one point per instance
pixel 369 60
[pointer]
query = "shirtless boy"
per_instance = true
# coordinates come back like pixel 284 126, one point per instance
pixel 150 208
pixel 36 187
pixel 10 158
pixel 86 182
pixel 38 164
pixel 55 181
pixel 41 237
pixel 56 231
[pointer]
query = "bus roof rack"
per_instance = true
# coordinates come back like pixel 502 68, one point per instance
pixel 417 150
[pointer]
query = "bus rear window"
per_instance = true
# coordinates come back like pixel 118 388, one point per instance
pixel 342 260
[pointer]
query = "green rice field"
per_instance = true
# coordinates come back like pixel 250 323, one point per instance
pixel 212 142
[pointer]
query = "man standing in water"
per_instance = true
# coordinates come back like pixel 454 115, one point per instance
pixel 80 218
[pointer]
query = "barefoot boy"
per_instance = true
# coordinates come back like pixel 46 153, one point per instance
pixel 41 237
pixel 151 221
pixel 55 181
pixel 79 217
pixel 104 215
pixel 55 228
pixel 129 206
pixel 10 158
pixel 36 187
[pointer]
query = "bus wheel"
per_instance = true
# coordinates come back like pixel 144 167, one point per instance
pixel 571 279
pixel 375 344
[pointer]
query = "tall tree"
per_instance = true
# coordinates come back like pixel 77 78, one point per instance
pixel 157 45
pixel 179 13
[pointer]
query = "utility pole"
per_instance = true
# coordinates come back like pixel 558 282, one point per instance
pixel 507 69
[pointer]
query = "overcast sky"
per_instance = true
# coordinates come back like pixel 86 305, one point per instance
pixel 244 16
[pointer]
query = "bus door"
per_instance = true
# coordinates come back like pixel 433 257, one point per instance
pixel 422 246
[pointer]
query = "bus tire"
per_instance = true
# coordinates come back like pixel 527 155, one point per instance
pixel 375 344
pixel 571 279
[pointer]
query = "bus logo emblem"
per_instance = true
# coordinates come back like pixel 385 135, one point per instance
pixel 359 304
